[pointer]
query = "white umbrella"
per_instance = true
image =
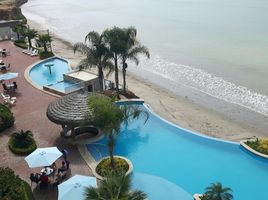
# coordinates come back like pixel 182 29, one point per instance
pixel 43 157
pixel 8 76
pixel 74 188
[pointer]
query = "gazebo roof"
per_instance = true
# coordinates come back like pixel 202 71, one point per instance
pixel 70 109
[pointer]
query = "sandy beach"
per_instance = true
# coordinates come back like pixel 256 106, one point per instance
pixel 177 109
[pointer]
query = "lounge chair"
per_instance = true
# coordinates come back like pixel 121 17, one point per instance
pixel 34 53
pixel 30 51
pixel 6 96
pixel 10 101
pixel 26 50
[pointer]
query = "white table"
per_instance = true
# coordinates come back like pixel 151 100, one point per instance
pixel 48 171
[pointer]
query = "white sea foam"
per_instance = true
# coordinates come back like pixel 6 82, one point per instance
pixel 207 83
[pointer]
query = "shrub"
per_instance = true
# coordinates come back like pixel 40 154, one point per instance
pixel 21 43
pixel 22 143
pixel 44 55
pixel 259 145
pixel 6 118
pixel 28 194
pixel 104 167
pixel 12 187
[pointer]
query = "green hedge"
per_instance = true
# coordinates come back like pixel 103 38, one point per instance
pixel 20 43
pixel 27 191
pixel 12 187
pixel 44 55
pixel 104 168
pixel 21 151
pixel 6 118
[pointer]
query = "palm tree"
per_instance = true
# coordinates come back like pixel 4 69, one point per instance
pixel 113 38
pixel 96 53
pixel 114 188
pixel 132 48
pixel 22 139
pixel 107 116
pixel 30 34
pixel 44 39
pixel 217 192
pixel 19 29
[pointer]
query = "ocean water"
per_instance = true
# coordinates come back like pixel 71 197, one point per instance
pixel 217 47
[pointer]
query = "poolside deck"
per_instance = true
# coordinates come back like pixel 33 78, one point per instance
pixel 30 114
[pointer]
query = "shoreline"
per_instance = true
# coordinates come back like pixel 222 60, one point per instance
pixel 178 109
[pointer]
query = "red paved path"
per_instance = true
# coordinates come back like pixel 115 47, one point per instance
pixel 30 114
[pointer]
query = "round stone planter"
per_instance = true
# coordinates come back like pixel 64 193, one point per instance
pixel 130 167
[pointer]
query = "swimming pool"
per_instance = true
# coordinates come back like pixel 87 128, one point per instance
pixel 187 159
pixel 41 75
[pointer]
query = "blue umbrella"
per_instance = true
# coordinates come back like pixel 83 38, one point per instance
pixel 74 188
pixel 43 157
pixel 8 76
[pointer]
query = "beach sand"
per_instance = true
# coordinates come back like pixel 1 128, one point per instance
pixel 176 109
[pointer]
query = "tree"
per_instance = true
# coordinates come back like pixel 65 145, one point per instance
pixel 19 29
pixel 22 139
pixel 11 186
pixel 113 38
pixel 44 39
pixel 30 34
pixel 217 192
pixel 132 48
pixel 96 52
pixel 108 116
pixel 114 188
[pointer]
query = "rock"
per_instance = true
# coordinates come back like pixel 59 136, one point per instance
pixel 10 9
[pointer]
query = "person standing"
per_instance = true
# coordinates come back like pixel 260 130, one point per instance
pixel 64 154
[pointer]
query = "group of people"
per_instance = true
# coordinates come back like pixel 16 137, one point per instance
pixel 43 178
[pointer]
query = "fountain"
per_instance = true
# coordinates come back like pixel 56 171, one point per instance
pixel 49 65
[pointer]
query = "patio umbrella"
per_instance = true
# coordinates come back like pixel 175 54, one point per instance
pixel 43 157
pixel 74 188
pixel 8 76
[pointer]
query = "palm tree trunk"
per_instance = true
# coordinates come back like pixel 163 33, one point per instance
pixel 100 78
pixel 45 47
pixel 116 77
pixel 124 76
pixel 111 150
pixel 30 42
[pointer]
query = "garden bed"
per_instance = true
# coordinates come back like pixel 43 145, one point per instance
pixel 122 166
pixel 257 146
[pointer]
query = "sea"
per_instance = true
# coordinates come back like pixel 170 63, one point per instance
pixel 213 52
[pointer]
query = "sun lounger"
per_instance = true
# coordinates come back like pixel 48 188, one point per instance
pixel 26 50
pixel 34 53
pixel 30 52
pixel 6 96
pixel 8 100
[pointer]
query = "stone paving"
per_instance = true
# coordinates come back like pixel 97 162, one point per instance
pixel 30 114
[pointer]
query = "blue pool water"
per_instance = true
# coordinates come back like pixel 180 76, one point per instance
pixel 40 73
pixel 187 159
pixel 65 86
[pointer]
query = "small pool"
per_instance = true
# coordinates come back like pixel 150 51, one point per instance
pixel 189 160
pixel 65 86
pixel 40 73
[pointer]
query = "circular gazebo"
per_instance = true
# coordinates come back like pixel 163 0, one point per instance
pixel 71 112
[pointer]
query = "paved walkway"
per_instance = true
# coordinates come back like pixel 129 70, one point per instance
pixel 30 114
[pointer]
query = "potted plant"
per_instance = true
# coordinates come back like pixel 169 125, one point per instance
pixel 108 117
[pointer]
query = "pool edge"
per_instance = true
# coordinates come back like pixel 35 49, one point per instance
pixel 29 80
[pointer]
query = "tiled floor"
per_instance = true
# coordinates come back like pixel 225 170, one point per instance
pixel 30 114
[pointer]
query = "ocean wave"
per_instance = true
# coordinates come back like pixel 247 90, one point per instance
pixel 207 83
